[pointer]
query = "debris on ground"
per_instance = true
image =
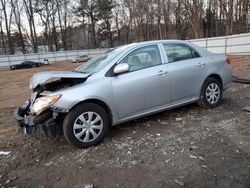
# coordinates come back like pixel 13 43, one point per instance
pixel 5 152
pixel 246 108
pixel 201 158
pixel 89 186
pixel 179 182
pixel 193 156
pixel 178 119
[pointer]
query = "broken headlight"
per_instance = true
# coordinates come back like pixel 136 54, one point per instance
pixel 43 103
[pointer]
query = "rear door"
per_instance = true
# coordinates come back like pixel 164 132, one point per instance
pixel 186 71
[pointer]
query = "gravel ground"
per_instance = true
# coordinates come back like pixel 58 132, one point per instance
pixel 185 147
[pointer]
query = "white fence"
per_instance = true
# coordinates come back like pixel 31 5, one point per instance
pixel 234 44
pixel 7 60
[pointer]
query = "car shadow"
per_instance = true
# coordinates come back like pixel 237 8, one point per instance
pixel 156 118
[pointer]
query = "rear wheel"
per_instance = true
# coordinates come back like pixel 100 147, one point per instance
pixel 86 125
pixel 211 93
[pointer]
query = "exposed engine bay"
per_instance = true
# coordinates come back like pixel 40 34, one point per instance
pixel 57 84
pixel 38 115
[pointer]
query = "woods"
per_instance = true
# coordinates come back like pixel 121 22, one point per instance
pixel 50 25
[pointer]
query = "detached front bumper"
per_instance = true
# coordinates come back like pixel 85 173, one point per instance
pixel 49 123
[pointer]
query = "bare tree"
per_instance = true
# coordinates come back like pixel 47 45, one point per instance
pixel 104 10
pixel 88 23
pixel 3 42
pixel 47 11
pixel 7 24
pixel 15 4
pixel 32 27
pixel 193 11
pixel 62 11
pixel 87 11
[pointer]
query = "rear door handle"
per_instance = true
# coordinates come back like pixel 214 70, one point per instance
pixel 162 72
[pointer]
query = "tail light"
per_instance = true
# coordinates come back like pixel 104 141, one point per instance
pixel 228 60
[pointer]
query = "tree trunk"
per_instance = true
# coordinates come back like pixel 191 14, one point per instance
pixel 63 31
pixel 35 48
pixel 29 13
pixel 16 11
pixel 11 49
pixel 54 34
pixel 93 29
pixel 2 38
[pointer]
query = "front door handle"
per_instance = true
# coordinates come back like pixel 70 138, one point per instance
pixel 200 64
pixel 162 72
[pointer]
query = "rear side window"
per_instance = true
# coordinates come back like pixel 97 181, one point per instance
pixel 26 62
pixel 179 52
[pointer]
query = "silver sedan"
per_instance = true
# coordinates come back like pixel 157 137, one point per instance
pixel 128 82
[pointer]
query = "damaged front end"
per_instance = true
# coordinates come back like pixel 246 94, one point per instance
pixel 40 115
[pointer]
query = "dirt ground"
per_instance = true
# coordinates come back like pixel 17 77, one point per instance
pixel 185 147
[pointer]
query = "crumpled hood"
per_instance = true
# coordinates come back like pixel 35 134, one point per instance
pixel 42 77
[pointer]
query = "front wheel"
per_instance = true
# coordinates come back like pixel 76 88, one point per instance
pixel 211 93
pixel 86 125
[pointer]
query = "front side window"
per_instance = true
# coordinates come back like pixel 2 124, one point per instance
pixel 179 52
pixel 142 58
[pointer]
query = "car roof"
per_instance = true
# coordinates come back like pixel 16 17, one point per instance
pixel 161 41
pixel 28 61
pixel 131 46
pixel 137 44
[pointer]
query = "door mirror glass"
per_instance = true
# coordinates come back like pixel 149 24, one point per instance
pixel 121 68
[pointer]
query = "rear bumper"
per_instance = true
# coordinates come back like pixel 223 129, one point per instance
pixel 48 123
pixel 227 77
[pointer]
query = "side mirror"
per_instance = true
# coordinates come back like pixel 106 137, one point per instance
pixel 121 68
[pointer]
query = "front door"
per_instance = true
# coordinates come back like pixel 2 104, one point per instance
pixel 145 86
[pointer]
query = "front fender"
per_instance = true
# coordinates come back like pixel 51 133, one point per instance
pixel 100 90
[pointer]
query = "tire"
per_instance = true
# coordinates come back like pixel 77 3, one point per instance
pixel 75 131
pixel 211 93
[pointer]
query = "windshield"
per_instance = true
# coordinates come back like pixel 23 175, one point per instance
pixel 98 63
